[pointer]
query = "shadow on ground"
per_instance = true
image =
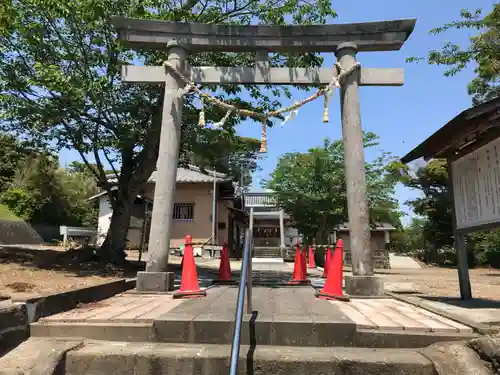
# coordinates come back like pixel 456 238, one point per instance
pixel 475 303
pixel 76 262
pixel 493 274
pixel 80 263
pixel 83 263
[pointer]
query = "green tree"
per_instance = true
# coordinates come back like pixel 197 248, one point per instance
pixel 484 51
pixel 236 156
pixel 486 246
pixel 77 187
pixel 42 193
pixel 12 153
pixel 311 187
pixel 435 204
pixel 409 238
pixel 60 80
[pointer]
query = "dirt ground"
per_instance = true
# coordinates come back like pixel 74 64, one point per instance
pixel 27 273
pixel 443 282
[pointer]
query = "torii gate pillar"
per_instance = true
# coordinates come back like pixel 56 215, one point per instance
pixel 362 282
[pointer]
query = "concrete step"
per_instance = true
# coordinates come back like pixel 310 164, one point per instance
pixel 76 356
pixel 264 255
pixel 282 316
pixel 267 252
pixel 144 359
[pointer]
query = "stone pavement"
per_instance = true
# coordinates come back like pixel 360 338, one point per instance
pixel 400 261
pixel 484 314
pixel 289 316
pixel 479 313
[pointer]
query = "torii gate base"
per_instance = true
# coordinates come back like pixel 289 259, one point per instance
pixel 345 40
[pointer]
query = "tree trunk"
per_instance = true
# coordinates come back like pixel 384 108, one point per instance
pixel 113 247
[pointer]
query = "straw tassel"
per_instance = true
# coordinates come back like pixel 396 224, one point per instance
pixel 263 137
pixel 201 119
pixel 325 107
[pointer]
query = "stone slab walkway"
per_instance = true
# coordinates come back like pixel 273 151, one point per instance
pixel 475 311
pixel 405 262
pixel 287 304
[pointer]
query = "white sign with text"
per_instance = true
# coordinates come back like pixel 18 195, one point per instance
pixel 476 186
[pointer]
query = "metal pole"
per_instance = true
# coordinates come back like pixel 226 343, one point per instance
pixel 235 348
pixel 214 209
pixel 250 225
pixel 249 274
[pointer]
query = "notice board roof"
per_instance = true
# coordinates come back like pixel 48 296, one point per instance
pixel 464 130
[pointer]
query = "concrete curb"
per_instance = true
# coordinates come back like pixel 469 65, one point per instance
pixel 136 358
pixel 51 304
pixel 16 318
pixel 422 303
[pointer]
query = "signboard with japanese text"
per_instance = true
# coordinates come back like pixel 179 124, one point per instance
pixel 476 187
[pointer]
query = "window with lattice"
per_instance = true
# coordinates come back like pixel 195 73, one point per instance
pixel 183 211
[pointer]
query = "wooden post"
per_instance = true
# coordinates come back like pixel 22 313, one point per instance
pixel 155 278
pixel 460 247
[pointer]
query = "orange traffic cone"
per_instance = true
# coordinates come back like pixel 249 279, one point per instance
pixel 299 272
pixel 224 267
pixel 311 261
pixel 333 283
pixel 190 288
pixel 328 259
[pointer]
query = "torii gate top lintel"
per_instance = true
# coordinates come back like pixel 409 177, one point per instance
pixel 368 36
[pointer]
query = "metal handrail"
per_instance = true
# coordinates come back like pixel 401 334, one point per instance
pixel 245 283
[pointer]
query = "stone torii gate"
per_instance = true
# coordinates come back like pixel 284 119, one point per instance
pixel 345 40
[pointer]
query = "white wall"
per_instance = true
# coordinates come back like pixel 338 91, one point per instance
pixel 105 212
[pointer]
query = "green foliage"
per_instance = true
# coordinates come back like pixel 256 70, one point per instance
pixel 12 152
pixel 410 238
pixel 311 187
pixel 430 237
pixel 235 156
pixel 41 193
pixel 21 202
pixel 484 50
pixel 486 246
pixel 60 80
pixel 7 214
pixel 435 205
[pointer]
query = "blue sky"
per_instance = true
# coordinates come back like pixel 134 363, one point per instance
pixel 401 116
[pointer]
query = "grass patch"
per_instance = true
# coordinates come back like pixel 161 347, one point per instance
pixel 6 214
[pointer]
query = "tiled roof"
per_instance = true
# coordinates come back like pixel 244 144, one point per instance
pixel 194 175
pixel 191 174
